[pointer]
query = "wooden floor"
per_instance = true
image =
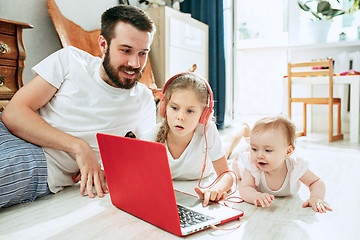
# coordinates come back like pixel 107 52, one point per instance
pixel 67 215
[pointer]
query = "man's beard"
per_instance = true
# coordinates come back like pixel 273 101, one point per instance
pixel 113 74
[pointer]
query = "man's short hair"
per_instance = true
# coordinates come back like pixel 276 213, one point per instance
pixel 127 14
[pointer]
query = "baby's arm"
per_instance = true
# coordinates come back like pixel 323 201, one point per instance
pixel 249 193
pixel 219 190
pixel 317 192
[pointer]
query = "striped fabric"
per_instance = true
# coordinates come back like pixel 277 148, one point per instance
pixel 23 171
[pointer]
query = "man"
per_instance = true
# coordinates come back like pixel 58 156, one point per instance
pixel 72 97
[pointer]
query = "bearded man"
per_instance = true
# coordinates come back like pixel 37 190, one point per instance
pixel 48 130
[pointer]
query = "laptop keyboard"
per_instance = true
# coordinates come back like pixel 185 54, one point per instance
pixel 189 217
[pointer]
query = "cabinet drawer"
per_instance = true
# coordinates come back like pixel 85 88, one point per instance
pixel 7 28
pixel 8 82
pixel 11 51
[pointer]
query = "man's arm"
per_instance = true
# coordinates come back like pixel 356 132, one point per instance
pixel 21 119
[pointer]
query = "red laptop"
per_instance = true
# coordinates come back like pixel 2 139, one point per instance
pixel 138 170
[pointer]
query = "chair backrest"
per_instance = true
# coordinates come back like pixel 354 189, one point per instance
pixel 71 34
pixel 312 69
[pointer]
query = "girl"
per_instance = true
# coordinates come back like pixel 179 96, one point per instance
pixel 268 170
pixel 191 138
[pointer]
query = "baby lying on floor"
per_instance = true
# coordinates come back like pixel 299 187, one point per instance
pixel 266 168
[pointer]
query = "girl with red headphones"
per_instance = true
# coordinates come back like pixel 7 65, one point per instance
pixel 191 137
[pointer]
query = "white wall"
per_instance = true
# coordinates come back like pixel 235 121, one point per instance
pixel 42 40
pixel 259 74
pixel 261 58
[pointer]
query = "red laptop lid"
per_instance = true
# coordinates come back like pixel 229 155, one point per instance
pixel 139 180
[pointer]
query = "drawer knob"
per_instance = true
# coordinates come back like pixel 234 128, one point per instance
pixel 3 47
pixel 2 80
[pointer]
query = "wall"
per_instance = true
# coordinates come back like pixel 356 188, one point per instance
pixel 42 40
pixel 262 63
pixel 259 82
pixel 261 56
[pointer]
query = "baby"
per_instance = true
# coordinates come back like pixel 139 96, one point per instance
pixel 268 170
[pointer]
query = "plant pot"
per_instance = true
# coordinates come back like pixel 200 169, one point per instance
pixel 318 30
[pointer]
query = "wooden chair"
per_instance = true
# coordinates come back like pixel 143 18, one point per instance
pixel 322 68
pixel 71 34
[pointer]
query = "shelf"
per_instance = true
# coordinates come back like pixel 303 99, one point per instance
pixel 338 44
pixel 261 43
pixel 266 43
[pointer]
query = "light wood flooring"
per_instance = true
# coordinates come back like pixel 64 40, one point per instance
pixel 67 215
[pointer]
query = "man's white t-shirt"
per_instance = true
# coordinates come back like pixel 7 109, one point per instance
pixel 190 164
pixel 85 105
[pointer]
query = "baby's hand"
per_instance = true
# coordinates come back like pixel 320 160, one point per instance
pixel 317 204
pixel 263 199
pixel 210 194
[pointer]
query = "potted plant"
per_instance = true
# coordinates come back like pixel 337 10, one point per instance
pixel 322 15
pixel 320 9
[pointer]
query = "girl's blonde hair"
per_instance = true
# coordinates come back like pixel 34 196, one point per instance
pixel 278 121
pixel 185 80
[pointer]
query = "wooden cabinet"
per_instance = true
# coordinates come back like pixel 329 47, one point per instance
pixel 179 43
pixel 12 57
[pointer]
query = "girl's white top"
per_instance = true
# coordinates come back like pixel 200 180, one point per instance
pixel 190 164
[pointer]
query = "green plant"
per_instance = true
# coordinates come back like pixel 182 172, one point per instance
pixel 322 10
pixel 355 6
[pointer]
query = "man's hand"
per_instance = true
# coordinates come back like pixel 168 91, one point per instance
pixel 91 173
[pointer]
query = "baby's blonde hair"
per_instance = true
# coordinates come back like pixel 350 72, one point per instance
pixel 278 121
pixel 185 80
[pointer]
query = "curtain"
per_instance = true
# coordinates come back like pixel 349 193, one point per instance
pixel 211 12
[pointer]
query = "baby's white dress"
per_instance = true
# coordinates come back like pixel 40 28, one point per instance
pixel 296 167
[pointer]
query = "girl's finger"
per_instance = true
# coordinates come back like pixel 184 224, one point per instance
pixel 222 196
pixel 213 196
pixel 199 192
pixel 206 198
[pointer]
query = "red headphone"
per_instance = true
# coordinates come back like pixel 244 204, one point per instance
pixel 208 111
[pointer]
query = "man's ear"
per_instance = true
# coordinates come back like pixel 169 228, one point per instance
pixel 103 44
pixel 290 150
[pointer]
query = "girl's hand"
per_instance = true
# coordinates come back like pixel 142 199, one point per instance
pixel 210 194
pixel 263 199
pixel 317 204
